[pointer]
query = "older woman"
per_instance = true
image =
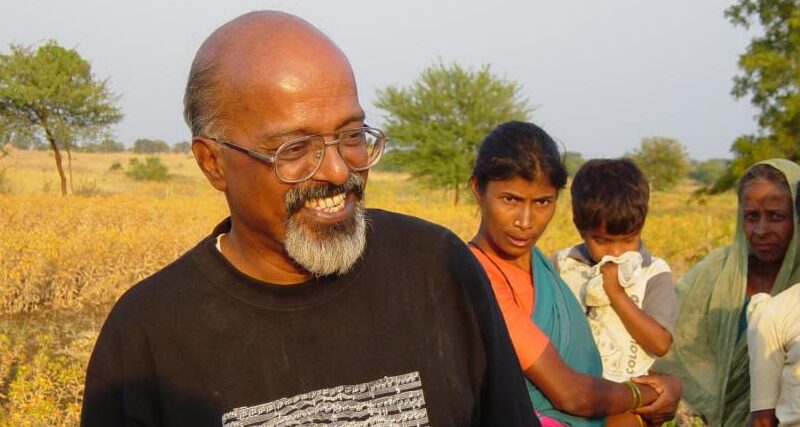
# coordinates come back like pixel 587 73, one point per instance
pixel 773 342
pixel 709 351
pixel 516 180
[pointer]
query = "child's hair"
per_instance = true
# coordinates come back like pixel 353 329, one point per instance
pixel 610 192
pixel 518 149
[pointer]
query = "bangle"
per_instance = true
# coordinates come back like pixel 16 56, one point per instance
pixel 636 394
pixel 639 419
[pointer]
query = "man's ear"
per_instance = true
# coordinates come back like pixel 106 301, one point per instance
pixel 208 156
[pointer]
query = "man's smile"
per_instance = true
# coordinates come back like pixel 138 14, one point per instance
pixel 331 204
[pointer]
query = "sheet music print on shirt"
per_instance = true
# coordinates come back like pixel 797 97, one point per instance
pixel 389 401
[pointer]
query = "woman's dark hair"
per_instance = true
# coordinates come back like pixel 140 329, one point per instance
pixel 518 149
pixel 763 172
pixel 613 193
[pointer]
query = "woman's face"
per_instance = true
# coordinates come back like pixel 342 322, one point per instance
pixel 514 214
pixel 768 219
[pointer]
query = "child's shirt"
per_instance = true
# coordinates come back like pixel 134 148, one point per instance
pixel 647 280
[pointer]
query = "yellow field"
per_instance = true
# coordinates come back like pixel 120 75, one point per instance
pixel 64 259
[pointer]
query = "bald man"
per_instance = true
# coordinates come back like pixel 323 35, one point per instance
pixel 302 307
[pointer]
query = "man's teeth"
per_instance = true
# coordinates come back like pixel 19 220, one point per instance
pixel 327 204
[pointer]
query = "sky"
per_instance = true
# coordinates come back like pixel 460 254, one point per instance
pixel 601 75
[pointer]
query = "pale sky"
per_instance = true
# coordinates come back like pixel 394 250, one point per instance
pixel 601 74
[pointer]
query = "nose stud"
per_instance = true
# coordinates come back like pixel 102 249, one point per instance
pixel 516 223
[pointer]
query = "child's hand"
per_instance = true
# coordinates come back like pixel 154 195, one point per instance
pixel 611 283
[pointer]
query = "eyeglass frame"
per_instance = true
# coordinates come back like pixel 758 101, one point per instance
pixel 273 158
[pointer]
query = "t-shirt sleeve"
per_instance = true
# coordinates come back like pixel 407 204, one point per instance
pixel 120 379
pixel 528 340
pixel 504 397
pixel 764 346
pixel 660 301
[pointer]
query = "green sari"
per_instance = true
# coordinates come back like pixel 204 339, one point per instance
pixel 559 315
pixel 707 352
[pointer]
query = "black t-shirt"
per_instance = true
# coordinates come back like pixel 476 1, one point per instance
pixel 410 336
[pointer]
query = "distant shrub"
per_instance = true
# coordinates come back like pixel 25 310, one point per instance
pixel 144 145
pixel 115 167
pixel 152 169
pixel 183 147
pixel 87 188
pixel 709 171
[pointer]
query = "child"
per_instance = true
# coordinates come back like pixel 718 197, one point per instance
pixel 628 294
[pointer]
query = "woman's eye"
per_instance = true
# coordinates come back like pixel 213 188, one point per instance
pixel 777 217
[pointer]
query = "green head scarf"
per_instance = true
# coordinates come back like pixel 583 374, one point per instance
pixel 706 352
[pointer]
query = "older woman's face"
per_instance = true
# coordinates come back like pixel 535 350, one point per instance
pixel 768 219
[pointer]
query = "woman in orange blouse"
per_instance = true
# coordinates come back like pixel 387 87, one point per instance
pixel 516 180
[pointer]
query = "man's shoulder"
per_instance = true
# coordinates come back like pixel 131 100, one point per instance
pixel 406 239
pixel 164 286
pixel 409 228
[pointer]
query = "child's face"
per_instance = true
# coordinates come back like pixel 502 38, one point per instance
pixel 599 243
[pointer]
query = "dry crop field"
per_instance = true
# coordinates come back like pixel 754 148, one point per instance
pixel 64 260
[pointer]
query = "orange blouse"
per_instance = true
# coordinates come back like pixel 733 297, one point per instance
pixel 513 289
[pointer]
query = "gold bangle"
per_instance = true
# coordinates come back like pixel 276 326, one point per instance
pixel 639 418
pixel 636 394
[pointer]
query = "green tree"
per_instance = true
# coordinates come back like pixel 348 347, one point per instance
pixel 663 160
pixel 182 147
pixel 24 141
pixel 771 78
pixel 435 124
pixel 150 146
pixel 573 161
pixel 107 145
pixel 51 89
pixel 708 171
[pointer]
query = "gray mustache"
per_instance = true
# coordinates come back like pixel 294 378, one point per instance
pixel 296 197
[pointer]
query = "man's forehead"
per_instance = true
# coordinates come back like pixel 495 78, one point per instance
pixel 284 71
pixel 266 35
pixel 278 55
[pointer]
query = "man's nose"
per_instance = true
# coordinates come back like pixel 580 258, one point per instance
pixel 333 168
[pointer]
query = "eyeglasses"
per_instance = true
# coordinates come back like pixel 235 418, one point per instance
pixel 299 159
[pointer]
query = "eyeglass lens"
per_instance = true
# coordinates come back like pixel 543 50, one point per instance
pixel 299 160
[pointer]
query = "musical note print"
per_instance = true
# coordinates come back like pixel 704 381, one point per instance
pixel 388 401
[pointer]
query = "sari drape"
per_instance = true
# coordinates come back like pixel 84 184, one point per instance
pixel 708 353
pixel 559 315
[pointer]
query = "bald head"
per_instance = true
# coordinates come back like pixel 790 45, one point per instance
pixel 266 51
